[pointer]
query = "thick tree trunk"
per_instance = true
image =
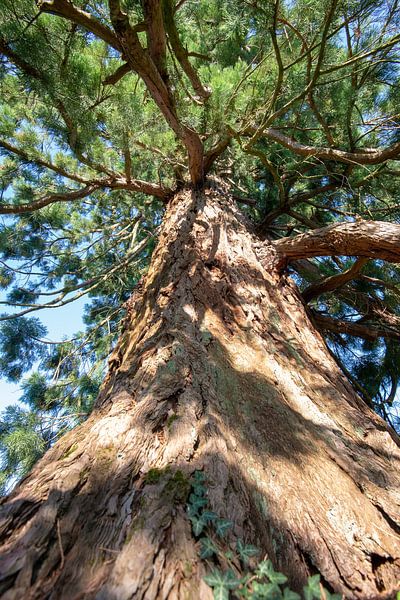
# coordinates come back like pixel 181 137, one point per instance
pixel 220 370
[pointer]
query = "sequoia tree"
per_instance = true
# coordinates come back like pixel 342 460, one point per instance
pixel 221 179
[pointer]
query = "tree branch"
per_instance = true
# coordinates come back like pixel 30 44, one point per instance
pixel 137 185
pixel 181 52
pixel 332 283
pixel 65 9
pixel 119 74
pixel 372 239
pixel 368 332
pixel 15 209
pixel 40 162
pixel 141 62
pixel 156 38
pixel 368 156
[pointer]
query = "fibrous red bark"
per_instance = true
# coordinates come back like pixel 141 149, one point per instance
pixel 371 239
pixel 218 369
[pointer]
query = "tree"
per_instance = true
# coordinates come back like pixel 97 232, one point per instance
pixel 258 143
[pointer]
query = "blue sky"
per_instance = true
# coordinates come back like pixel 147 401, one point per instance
pixel 61 323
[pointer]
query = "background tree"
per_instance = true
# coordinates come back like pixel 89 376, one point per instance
pixel 114 116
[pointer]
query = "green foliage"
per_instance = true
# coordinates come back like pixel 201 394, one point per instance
pixel 245 578
pixel 153 476
pixel 21 442
pixel 20 346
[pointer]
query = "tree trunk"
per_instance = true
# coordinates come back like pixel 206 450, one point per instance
pixel 218 369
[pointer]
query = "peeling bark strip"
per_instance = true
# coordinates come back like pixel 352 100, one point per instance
pixel 372 239
pixel 218 369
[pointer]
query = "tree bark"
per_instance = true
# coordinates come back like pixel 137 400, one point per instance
pixel 218 369
pixel 370 239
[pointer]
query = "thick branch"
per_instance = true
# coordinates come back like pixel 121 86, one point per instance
pixel 65 9
pixel 368 332
pixel 336 281
pixel 119 74
pixel 362 157
pixel 156 38
pixel 15 209
pixel 141 62
pixel 213 153
pixel 137 185
pixel 40 162
pixel 181 52
pixel 372 239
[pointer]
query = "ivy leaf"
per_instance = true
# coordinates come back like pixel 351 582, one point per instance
pixel 199 489
pixel 231 581
pixel 263 569
pixel 222 526
pixel 196 502
pixel 208 548
pixel 222 583
pixel 267 591
pixel 191 511
pixel 197 525
pixel 220 593
pixel 289 595
pixel 199 476
pixel 277 578
pixel 312 589
pixel 227 580
pixel 209 516
pixel 215 578
pixel 246 551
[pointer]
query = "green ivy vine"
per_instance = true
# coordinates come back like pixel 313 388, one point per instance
pixel 243 578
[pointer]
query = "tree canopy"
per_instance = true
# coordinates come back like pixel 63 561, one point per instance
pixel 107 108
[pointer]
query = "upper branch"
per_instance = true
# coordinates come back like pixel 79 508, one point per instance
pixel 125 40
pixel 156 38
pixel 17 209
pixel 333 283
pixel 180 51
pixel 362 157
pixel 11 149
pixel 65 9
pixel 372 239
pixel 141 62
pixel 367 332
